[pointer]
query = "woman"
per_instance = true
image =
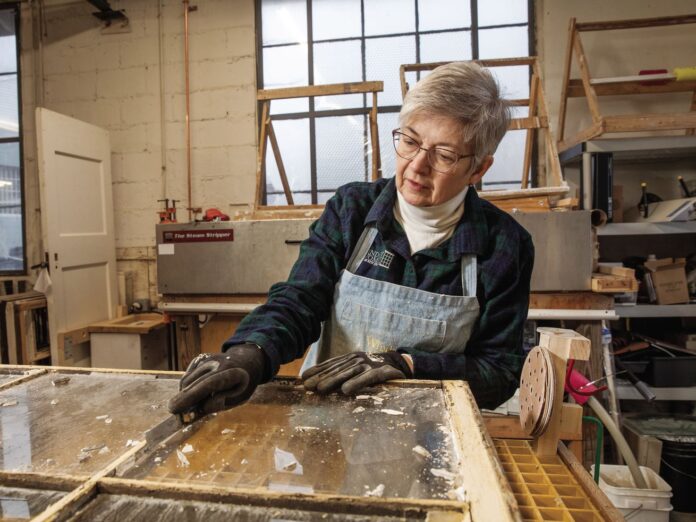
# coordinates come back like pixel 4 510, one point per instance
pixel 409 277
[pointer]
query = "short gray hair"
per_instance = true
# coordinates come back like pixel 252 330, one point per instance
pixel 468 93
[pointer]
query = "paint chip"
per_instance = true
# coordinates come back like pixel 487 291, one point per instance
pixel 443 473
pixel 391 412
pixel 182 459
pixel 420 450
pixel 377 492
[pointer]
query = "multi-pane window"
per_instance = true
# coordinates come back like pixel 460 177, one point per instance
pixel 325 141
pixel 12 258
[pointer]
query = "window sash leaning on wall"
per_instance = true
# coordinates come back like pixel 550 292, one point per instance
pixel 320 141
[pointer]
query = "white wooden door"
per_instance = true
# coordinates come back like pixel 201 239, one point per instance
pixel 78 226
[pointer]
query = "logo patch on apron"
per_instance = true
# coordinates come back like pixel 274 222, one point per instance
pixel 383 259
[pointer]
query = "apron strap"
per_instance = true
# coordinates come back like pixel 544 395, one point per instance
pixel 364 243
pixel 469 276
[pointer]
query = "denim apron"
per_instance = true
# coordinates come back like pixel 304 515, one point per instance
pixel 377 316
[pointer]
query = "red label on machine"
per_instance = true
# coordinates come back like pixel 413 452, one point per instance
pixel 197 236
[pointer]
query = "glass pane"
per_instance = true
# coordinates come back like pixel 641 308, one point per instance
pixel 286 439
pixel 323 197
pixel 337 62
pixel 506 42
pixel 513 81
pixel 286 67
pixel 24 503
pixel 139 509
pixel 389 17
pixel 284 21
pixel 335 19
pixel 293 142
pixel 78 427
pixel 341 146
pixel 443 14
pixel 11 246
pixel 384 57
pixel 445 47
pixel 509 159
pixel 9 107
pixel 8 375
pixel 387 123
pixel 8 42
pixel 502 12
pixel 300 198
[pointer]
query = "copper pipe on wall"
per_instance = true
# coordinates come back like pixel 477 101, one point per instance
pixel 187 9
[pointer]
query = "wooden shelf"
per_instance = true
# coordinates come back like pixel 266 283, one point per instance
pixel 652 148
pixel 642 229
pixel 648 310
pixel 626 391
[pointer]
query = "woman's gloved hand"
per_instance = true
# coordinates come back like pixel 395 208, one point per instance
pixel 218 381
pixel 354 371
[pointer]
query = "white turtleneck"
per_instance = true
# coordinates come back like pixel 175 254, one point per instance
pixel 428 227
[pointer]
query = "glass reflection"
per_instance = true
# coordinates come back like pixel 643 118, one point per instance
pixel 78 427
pixel 390 442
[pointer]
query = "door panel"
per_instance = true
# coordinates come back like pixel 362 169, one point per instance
pixel 77 225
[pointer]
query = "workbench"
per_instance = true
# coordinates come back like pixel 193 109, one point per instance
pixel 82 443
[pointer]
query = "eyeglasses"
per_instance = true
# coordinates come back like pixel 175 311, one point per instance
pixel 441 160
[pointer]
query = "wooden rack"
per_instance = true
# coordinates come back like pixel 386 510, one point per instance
pixel 24 328
pixel 590 88
pixel 537 122
pixel 267 133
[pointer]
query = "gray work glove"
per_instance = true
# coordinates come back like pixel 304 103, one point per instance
pixel 218 381
pixel 354 371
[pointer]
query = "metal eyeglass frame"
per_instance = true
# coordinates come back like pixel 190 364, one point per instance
pixel 395 139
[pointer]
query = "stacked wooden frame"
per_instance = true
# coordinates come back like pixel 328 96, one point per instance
pixel 487 493
pixel 591 89
pixel 267 133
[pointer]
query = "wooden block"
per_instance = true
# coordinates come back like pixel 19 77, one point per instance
pixel 508 427
pixel 530 204
pixel 620 271
pixel 571 301
pixel 566 344
pixel 571 419
pixel 611 284
pixel 130 324
pixel 567 203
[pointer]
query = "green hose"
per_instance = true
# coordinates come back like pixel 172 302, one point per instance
pixel 600 443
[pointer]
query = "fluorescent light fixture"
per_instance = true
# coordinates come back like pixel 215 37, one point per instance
pixel 4 183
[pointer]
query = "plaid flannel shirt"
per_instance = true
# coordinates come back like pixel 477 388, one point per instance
pixel 291 319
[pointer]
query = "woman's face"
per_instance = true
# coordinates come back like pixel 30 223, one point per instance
pixel 417 182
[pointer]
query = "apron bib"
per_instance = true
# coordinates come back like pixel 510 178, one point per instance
pixel 377 316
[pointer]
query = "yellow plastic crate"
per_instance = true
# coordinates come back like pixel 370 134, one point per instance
pixel 544 487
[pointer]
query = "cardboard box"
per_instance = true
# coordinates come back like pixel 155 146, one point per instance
pixel 669 278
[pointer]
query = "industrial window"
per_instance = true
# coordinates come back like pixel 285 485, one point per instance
pixel 324 142
pixel 12 256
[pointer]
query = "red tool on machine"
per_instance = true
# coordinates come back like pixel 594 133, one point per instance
pixel 214 214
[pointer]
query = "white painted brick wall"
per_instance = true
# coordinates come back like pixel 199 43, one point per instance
pixel 114 81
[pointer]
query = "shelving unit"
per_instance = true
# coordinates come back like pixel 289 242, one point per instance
pixel 650 159
pixel 645 229
pixel 650 148
pixel 626 391
pixel 650 310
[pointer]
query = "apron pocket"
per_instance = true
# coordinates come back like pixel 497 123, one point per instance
pixel 376 330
